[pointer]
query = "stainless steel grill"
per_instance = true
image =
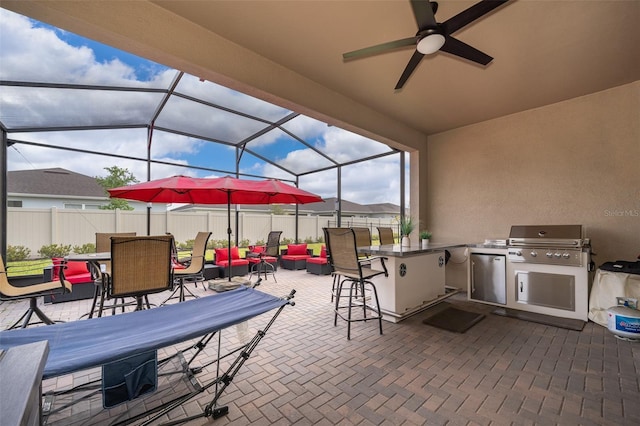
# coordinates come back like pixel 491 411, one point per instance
pixel 548 244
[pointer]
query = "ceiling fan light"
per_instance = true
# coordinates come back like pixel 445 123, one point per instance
pixel 430 44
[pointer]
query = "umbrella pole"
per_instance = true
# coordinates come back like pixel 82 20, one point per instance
pixel 229 233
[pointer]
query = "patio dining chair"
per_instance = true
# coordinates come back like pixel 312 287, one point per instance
pixel 139 266
pixel 386 236
pixel 32 292
pixel 268 258
pixel 193 272
pixel 354 283
pixel 102 275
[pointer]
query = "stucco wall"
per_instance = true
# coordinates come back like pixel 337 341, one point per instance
pixel 575 162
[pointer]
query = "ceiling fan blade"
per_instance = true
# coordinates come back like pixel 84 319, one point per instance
pixel 379 48
pixel 469 15
pixel 463 50
pixel 424 12
pixel 413 63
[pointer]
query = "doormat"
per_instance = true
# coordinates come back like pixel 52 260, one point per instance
pixel 568 323
pixel 453 319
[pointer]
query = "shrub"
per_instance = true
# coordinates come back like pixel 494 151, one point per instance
pixel 320 240
pixel 85 248
pixel 17 253
pixel 309 240
pixel 54 250
pixel 187 245
pixel 260 243
pixel 284 241
pixel 243 243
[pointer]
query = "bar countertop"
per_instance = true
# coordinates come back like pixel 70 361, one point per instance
pixel 397 250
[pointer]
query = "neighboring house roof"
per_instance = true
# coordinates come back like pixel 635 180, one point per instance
pixel 327 206
pixel 55 181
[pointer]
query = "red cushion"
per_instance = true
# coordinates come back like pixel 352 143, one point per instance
pixel 295 256
pixel 323 252
pixel 317 260
pixel 296 249
pixel 234 262
pixel 222 254
pixel 257 249
pixel 72 269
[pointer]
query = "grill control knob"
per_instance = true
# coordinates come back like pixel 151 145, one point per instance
pixel 534 254
pixel 549 254
pixel 557 255
pixel 566 255
pixel 518 253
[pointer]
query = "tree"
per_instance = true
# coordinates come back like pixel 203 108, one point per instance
pixel 117 177
pixel 277 209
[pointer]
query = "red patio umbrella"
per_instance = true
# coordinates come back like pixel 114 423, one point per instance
pixel 229 190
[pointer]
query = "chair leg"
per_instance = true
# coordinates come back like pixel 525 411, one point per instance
pixel 26 317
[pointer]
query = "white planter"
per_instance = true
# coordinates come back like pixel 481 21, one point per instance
pixel 406 242
pixel 424 243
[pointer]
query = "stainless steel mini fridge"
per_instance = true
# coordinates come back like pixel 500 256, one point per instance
pixel 488 278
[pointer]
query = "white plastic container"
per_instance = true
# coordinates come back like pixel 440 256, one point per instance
pixel 624 322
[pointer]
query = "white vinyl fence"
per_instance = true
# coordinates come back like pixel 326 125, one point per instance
pixel 35 228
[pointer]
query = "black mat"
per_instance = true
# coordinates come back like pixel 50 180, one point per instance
pixel 453 319
pixel 568 323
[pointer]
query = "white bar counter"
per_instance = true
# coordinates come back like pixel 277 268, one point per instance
pixel 416 278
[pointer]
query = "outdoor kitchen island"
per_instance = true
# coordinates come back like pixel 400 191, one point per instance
pixel 416 278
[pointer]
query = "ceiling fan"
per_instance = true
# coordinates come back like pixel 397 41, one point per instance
pixel 433 36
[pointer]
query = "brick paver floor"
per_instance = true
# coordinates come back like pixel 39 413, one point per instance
pixel 502 371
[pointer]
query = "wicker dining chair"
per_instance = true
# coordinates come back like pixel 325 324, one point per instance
pixel 102 275
pixel 139 266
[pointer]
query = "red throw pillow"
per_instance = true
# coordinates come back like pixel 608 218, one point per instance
pixel 296 249
pixel 323 252
pixel 258 249
pixel 222 254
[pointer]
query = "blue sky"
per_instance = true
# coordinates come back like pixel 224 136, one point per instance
pixel 33 51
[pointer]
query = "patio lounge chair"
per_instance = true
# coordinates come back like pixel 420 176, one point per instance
pixel 236 267
pixel 32 292
pixel 295 256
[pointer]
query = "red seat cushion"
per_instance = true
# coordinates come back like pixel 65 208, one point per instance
pixel 296 249
pixel 317 260
pixel 323 252
pixel 75 272
pixel 234 262
pixel 295 256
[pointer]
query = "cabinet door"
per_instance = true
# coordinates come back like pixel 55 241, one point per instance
pixel 488 278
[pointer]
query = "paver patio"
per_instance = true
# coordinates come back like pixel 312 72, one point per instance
pixel 501 371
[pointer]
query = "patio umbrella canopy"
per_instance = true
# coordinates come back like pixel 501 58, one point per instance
pixel 227 189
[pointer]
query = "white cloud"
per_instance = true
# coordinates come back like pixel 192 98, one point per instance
pixel 30 51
